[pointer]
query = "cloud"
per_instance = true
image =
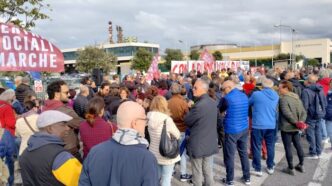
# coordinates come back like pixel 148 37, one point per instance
pixel 78 23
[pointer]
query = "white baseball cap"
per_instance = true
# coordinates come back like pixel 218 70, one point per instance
pixel 51 117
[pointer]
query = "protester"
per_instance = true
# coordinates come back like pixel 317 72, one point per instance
pixel 324 81
pixel 291 112
pixel 95 129
pixel 158 116
pixel 124 159
pixel 58 93
pixel 328 116
pixel 249 85
pixel 203 141
pixel 23 90
pixel 104 90
pixel 179 108
pixel 314 101
pixel 235 103
pixel 297 86
pixel 264 125
pixel 72 94
pixel 124 93
pixel 26 125
pixel 7 151
pixel 87 82
pixel 81 101
pixel 163 88
pixel 18 81
pixel 45 161
pixel 7 114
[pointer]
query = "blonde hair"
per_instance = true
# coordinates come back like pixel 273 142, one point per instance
pixel 160 104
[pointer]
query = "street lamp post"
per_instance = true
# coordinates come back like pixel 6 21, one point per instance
pixel 291 57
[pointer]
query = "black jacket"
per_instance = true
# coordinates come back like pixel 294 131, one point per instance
pixel 80 105
pixel 22 91
pixel 202 122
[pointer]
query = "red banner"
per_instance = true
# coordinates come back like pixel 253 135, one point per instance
pixel 208 61
pixel 24 51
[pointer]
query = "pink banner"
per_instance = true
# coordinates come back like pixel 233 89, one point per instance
pixel 208 61
pixel 24 51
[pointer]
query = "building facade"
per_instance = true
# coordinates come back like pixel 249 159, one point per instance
pixel 123 51
pixel 320 49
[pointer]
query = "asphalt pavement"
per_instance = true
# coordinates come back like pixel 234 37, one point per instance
pixel 318 172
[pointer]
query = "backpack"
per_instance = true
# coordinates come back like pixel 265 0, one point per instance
pixel 319 111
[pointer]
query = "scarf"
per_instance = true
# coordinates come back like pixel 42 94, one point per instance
pixel 129 137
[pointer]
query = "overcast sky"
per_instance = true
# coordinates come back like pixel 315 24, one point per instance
pixel 77 23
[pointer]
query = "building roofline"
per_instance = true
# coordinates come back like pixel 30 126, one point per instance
pixel 115 45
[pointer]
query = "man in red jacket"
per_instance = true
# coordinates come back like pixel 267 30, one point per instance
pixel 7 114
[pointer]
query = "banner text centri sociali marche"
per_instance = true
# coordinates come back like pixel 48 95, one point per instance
pixel 22 50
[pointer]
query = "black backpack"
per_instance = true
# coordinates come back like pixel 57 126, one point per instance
pixel 319 111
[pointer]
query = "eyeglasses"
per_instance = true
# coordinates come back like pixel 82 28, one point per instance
pixel 143 119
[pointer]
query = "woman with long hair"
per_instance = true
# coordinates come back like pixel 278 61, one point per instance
pixel 95 129
pixel 158 115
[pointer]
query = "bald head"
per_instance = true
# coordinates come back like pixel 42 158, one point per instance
pixel 228 86
pixel 127 112
pixel 312 79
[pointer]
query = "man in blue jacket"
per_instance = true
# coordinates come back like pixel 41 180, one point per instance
pixel 264 117
pixel 314 101
pixel 235 104
pixel 124 159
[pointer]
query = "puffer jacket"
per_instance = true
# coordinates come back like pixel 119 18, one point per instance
pixel 155 126
pixel 236 118
pixel 291 110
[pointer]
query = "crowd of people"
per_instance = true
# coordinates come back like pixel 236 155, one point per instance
pixel 111 134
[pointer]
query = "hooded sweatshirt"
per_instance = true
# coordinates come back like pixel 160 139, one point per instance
pixel 38 156
pixel 264 109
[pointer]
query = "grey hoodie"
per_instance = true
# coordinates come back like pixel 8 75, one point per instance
pixel 41 139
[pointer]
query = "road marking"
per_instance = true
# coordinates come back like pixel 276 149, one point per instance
pixel 314 184
pixel 322 167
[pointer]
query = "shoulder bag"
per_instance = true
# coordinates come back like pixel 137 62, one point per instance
pixel 26 121
pixel 169 146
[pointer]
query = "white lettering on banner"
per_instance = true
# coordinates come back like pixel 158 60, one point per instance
pixel 32 63
pixel 16 30
pixel 17 39
pixel 43 46
pixel 4 29
pixel 43 60
pixel 34 44
pixel 25 51
pixel 26 48
pixel 53 60
pixel 51 46
pixel 6 43
pixel 22 58
pixel 11 60
pixel 30 60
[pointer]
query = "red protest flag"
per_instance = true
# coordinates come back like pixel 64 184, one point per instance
pixel 208 61
pixel 21 50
